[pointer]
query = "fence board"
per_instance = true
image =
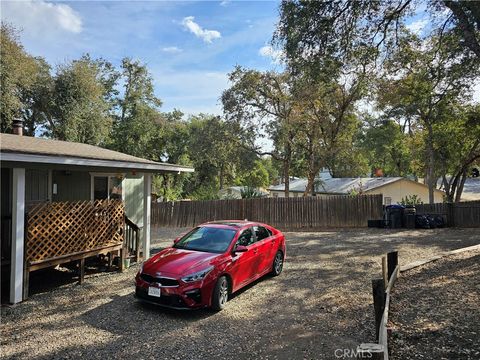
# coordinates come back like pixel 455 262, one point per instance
pixel 283 213
pixel 462 214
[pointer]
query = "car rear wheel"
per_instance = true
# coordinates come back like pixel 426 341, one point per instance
pixel 277 264
pixel 220 294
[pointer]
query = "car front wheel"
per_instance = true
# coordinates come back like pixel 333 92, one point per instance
pixel 277 264
pixel 220 294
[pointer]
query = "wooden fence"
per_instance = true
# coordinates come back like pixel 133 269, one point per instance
pixel 283 213
pixel 462 214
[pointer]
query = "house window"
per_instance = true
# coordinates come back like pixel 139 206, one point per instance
pixel 275 195
pixel 107 186
pixel 387 200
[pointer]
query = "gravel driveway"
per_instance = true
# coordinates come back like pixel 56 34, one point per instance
pixel 321 302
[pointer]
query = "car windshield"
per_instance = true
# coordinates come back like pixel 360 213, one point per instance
pixel 208 239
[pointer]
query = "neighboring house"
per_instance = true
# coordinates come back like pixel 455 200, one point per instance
pixel 393 189
pixel 471 189
pixel 64 201
pixel 235 192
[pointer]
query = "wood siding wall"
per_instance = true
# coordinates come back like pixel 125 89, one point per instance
pixel 72 185
pixel 283 213
pixel 462 214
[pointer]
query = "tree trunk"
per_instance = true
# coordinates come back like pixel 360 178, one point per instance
pixel 431 181
pixel 286 168
pixel 458 194
pixel 311 170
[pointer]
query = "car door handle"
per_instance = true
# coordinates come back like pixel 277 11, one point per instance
pixel 255 251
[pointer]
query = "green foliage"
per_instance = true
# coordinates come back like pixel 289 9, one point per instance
pixel 20 75
pixel 250 192
pixel 387 147
pixel 81 112
pixel 411 200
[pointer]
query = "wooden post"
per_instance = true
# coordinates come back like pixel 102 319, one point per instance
pixel 370 351
pixel 121 265
pixel 110 260
pixel 17 274
pixel 378 290
pixel 384 271
pixel 26 281
pixel 392 262
pixel 81 264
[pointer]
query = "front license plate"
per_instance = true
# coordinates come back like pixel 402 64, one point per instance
pixel 153 291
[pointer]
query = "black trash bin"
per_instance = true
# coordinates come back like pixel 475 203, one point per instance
pixel 409 216
pixel 394 214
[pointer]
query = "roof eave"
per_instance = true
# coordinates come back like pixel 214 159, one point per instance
pixel 79 161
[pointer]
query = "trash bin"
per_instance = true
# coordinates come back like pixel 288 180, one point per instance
pixel 394 214
pixel 409 216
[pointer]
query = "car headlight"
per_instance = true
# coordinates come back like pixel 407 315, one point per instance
pixel 200 275
pixel 140 269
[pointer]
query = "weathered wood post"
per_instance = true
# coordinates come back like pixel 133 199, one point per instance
pixel 378 290
pixel 82 270
pixel 392 262
pixel 384 271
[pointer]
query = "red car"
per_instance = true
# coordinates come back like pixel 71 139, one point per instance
pixel 209 263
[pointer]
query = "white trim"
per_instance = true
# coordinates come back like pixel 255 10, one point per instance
pixel 147 199
pixel 18 230
pixel 77 161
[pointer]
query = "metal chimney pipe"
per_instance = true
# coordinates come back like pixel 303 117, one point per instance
pixel 17 127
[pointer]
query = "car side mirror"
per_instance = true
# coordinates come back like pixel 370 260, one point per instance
pixel 240 248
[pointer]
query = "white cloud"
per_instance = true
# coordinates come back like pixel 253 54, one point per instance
pixel 172 50
pixel 224 2
pixel 417 26
pixel 204 34
pixel 270 52
pixel 41 17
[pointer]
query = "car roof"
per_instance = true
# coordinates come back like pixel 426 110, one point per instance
pixel 231 223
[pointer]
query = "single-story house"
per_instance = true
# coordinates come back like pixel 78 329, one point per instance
pixel 64 201
pixel 393 189
pixel 235 192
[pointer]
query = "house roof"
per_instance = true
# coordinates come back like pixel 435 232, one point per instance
pixel 28 149
pixel 340 186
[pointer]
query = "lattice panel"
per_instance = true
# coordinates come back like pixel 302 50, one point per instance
pixel 64 228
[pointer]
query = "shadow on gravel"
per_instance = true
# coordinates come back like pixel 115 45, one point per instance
pixel 321 302
pixel 435 311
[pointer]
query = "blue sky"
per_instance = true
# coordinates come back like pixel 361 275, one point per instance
pixel 189 47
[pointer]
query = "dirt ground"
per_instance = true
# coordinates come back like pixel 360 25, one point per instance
pixel 319 306
pixel 435 310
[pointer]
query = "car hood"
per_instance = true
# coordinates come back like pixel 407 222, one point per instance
pixel 178 261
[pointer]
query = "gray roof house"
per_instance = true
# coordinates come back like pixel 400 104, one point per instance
pixel 64 201
pixel 392 188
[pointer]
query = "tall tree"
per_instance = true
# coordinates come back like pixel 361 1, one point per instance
pixel 263 102
pixel 426 77
pixel 315 32
pixel 457 142
pixel 80 110
pixel 21 76
pixel 138 117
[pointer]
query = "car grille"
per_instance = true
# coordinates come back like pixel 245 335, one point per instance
pixel 166 300
pixel 161 280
